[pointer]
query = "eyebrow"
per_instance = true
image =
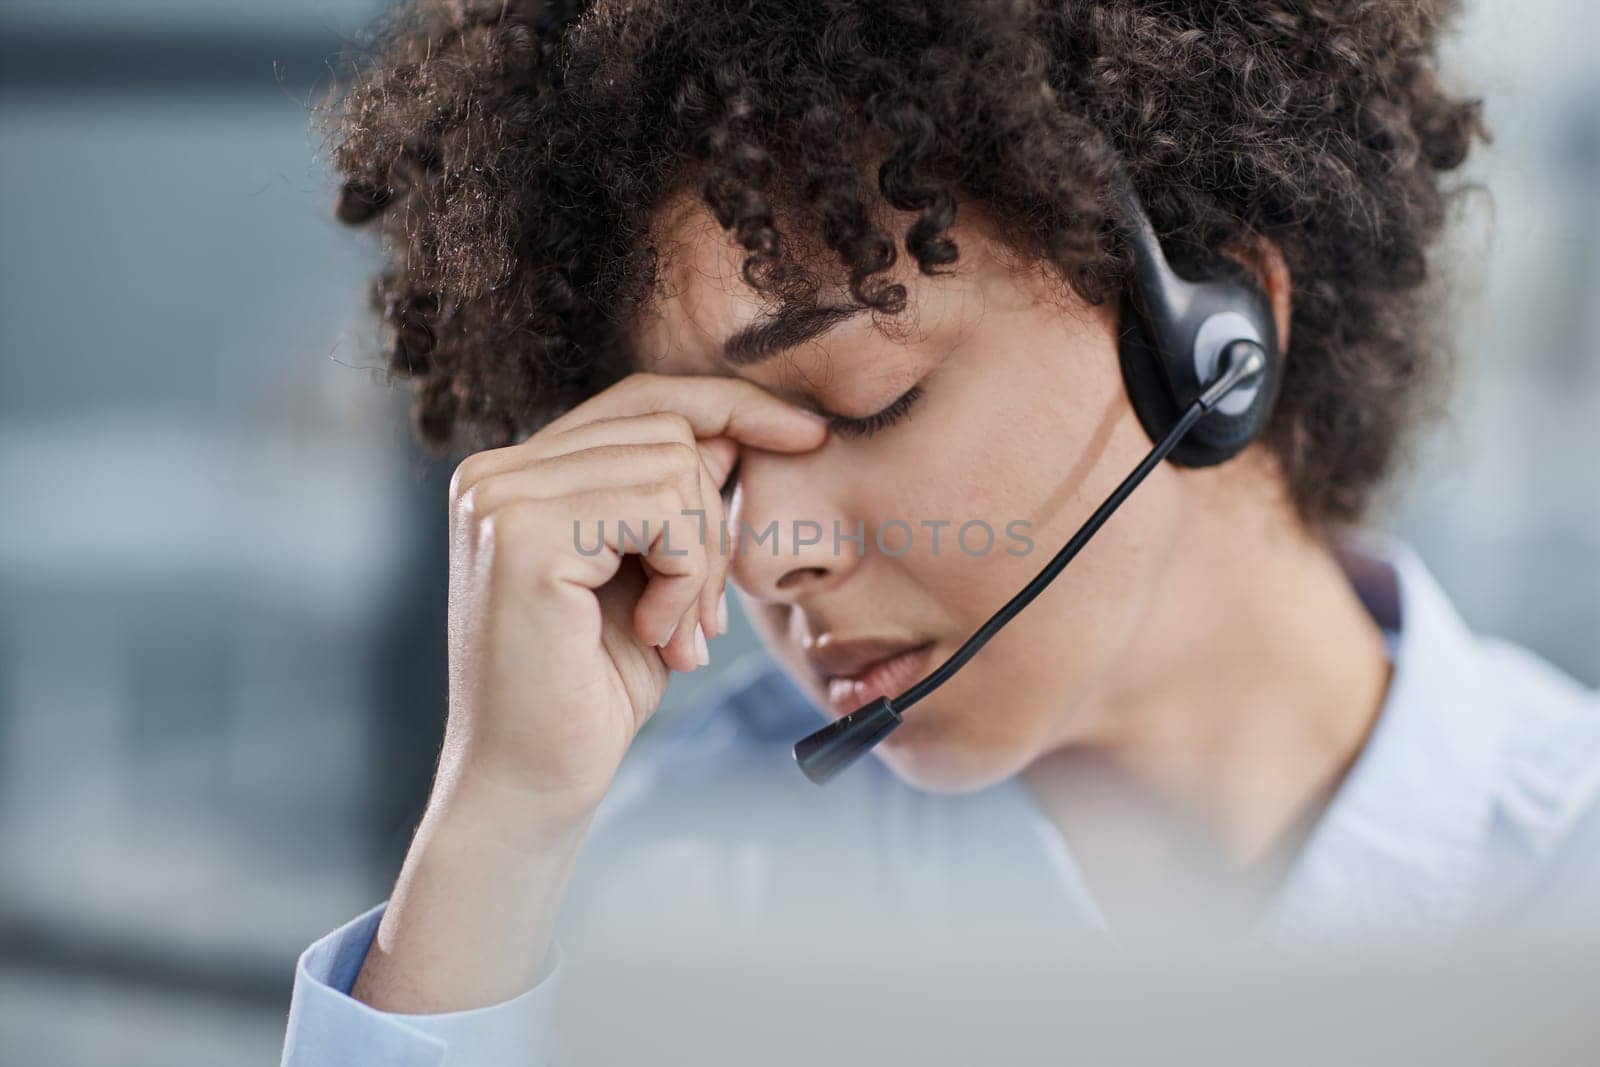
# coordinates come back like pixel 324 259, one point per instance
pixel 790 326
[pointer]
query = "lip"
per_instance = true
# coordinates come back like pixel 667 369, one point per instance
pixel 861 672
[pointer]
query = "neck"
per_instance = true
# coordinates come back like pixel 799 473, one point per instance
pixel 1239 708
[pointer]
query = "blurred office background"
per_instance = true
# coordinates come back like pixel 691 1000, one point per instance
pixel 221 556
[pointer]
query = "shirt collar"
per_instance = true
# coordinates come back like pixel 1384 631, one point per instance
pixel 1401 844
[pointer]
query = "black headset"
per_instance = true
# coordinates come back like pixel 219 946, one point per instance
pixel 1172 336
pixel 1201 362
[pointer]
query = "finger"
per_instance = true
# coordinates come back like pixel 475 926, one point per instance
pixel 678 650
pixel 719 455
pixel 606 467
pixel 533 527
pixel 622 430
pixel 636 520
pixel 719 452
pixel 616 599
pixel 541 535
pixel 716 559
pixel 618 466
pixel 678 594
pixel 682 651
pixel 715 407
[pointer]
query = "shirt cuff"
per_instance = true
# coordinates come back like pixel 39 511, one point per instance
pixel 328 1026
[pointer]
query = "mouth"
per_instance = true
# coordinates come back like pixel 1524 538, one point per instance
pixel 889 675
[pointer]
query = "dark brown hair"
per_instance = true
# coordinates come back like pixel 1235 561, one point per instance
pixel 514 153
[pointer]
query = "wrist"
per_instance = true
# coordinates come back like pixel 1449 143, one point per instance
pixel 473 911
pixel 472 812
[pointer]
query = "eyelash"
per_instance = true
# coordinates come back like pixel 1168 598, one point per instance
pixel 881 420
pixel 849 427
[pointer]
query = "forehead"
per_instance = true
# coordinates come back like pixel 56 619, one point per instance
pixel 702 298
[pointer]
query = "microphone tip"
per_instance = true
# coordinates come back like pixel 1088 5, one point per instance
pixel 824 753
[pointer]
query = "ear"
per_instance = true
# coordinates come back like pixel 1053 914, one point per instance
pixel 1264 259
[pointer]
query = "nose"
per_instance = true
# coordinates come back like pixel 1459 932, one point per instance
pixel 793 537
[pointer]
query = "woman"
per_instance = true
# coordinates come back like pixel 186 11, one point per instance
pixel 851 276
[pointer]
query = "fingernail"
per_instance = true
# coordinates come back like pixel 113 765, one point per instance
pixel 702 654
pixel 722 612
pixel 663 642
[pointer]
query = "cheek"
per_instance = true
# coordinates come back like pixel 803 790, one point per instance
pixel 1013 439
pixel 1038 437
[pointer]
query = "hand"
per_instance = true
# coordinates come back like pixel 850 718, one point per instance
pixel 563 631
pixel 557 656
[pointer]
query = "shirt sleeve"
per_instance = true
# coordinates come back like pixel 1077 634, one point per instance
pixel 327 1026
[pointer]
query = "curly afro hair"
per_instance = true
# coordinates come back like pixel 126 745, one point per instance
pixel 514 154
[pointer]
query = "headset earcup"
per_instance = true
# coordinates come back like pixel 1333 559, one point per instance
pixel 1151 393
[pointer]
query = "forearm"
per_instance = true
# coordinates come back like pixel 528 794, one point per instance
pixel 473 912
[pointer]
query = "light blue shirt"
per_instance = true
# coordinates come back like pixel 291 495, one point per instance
pixel 1475 801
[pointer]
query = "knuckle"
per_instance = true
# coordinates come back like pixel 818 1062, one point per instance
pixel 465 476
pixel 673 425
pixel 693 562
pixel 481 499
pixel 663 497
pixel 684 463
pixel 658 454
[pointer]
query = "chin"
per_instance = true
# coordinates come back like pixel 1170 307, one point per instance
pixel 936 760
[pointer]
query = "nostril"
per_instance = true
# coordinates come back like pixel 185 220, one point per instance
pixel 798 575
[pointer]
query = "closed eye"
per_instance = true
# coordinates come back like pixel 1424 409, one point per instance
pixel 848 427
pixel 871 424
